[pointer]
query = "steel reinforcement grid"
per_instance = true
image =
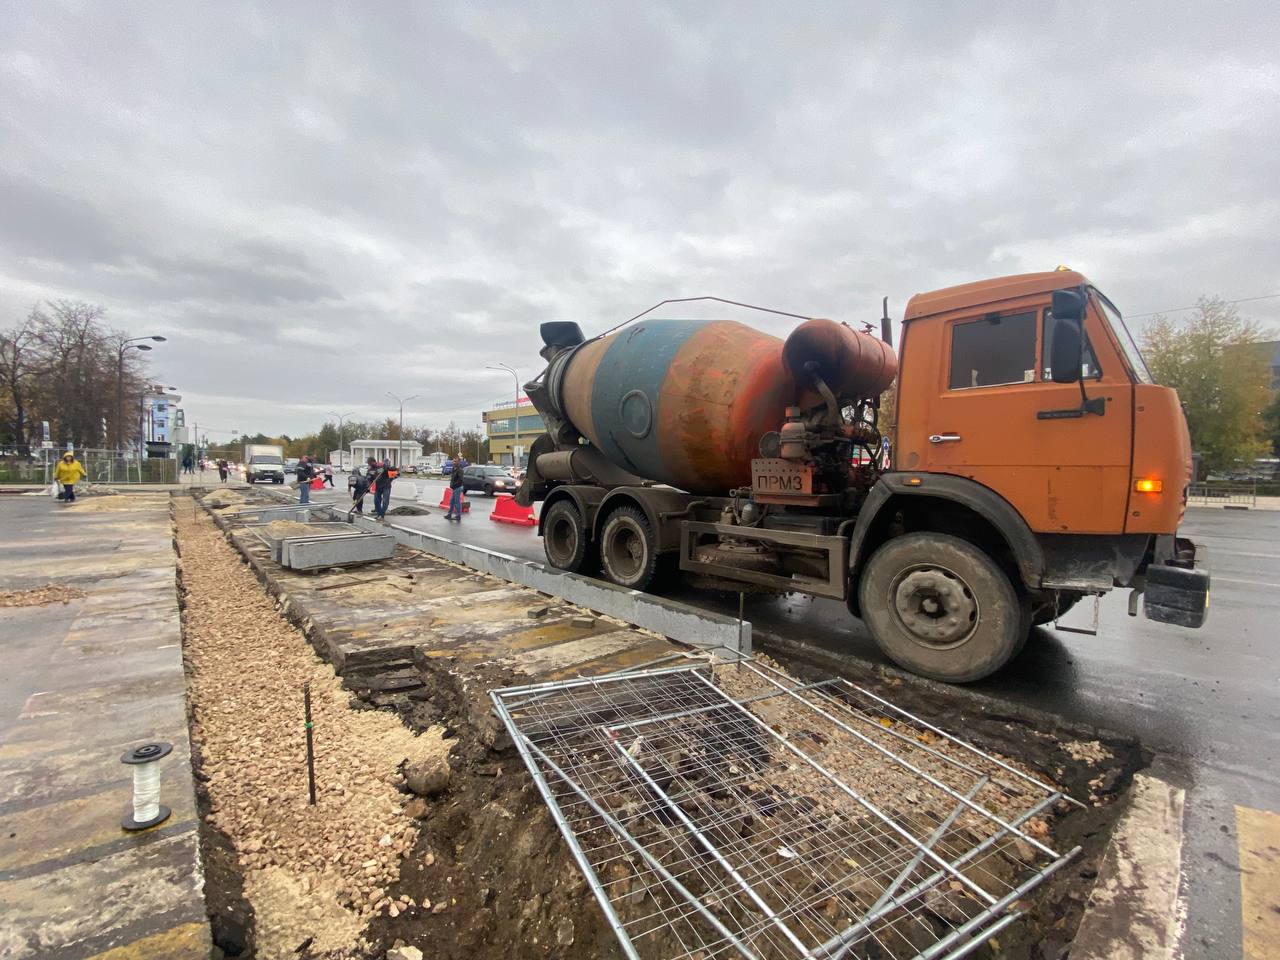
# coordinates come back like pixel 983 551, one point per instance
pixel 729 810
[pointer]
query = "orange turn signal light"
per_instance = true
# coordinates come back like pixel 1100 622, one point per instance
pixel 914 481
pixel 1148 486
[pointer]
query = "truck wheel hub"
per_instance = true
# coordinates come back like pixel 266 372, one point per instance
pixel 625 550
pixel 936 606
pixel 562 536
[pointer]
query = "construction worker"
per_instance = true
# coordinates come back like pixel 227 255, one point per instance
pixel 304 474
pixel 361 486
pixel 67 474
pixel 382 477
pixel 455 490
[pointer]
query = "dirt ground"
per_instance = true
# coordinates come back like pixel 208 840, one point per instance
pixel 491 845
pixel 480 870
pixel 311 876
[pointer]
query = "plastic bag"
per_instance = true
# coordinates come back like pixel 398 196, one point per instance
pixel 317 483
pixel 55 491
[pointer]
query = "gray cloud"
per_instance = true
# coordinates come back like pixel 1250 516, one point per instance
pixel 316 204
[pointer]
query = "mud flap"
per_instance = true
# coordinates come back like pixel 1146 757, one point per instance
pixel 1176 595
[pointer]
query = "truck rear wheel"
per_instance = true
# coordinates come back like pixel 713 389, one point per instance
pixel 941 607
pixel 564 540
pixel 628 549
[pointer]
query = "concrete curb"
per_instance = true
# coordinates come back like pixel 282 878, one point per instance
pixel 1135 909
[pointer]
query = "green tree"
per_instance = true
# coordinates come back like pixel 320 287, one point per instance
pixel 1221 379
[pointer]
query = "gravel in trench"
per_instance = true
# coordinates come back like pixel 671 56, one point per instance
pixel 313 875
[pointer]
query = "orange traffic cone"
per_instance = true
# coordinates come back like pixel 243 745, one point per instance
pixel 506 510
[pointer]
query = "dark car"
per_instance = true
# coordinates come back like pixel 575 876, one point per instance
pixel 489 480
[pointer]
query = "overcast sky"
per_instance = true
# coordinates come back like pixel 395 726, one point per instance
pixel 317 204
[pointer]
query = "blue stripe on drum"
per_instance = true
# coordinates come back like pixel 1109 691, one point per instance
pixel 632 371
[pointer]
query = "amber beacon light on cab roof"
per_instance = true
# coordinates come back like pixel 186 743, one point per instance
pixel 1033 463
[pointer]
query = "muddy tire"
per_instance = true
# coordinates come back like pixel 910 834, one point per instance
pixel 564 540
pixel 1042 610
pixel 940 607
pixel 628 549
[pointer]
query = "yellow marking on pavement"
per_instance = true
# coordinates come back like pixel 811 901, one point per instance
pixel 187 940
pixel 1258 837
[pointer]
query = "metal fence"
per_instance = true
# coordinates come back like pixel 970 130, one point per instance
pixel 731 811
pixel 35 466
pixel 1223 494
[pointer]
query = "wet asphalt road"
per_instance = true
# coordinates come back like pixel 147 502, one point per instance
pixel 1206 702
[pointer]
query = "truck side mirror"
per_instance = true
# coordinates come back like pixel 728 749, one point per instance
pixel 1066 349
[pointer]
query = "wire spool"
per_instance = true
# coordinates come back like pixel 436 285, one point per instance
pixel 147 811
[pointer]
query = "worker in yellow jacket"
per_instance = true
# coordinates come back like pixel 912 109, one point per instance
pixel 67 473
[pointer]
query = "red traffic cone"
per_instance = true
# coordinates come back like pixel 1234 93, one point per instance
pixel 506 510
pixel 444 501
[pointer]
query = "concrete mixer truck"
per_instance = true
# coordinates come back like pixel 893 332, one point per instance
pixel 1034 463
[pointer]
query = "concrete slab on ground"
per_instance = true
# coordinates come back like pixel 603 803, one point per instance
pixel 384 617
pixel 84 682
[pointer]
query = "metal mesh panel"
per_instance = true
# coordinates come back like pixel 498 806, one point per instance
pixel 730 811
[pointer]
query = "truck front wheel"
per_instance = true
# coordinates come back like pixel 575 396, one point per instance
pixel 628 549
pixel 940 607
pixel 564 540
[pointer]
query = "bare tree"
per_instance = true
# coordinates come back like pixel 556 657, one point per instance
pixel 62 363
pixel 18 359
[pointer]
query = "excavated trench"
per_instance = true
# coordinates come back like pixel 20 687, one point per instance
pixel 486 874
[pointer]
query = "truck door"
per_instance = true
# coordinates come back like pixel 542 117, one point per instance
pixel 998 418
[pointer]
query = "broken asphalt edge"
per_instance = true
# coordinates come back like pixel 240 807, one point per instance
pixel 1136 908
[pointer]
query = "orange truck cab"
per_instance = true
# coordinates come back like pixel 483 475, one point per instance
pixel 1032 389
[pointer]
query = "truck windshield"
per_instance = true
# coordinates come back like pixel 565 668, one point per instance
pixel 1127 343
pixel 264 459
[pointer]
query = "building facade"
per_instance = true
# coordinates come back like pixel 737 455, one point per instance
pixel 509 438
pixel 157 415
pixel 362 450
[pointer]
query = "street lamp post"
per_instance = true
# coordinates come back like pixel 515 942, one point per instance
pixel 129 344
pixel 515 444
pixel 400 441
pixel 342 444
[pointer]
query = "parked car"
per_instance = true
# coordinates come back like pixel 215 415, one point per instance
pixel 489 480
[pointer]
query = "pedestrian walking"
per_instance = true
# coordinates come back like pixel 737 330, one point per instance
pixel 222 470
pixel 67 474
pixel 187 466
pixel 382 477
pixel 455 491
pixel 328 474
